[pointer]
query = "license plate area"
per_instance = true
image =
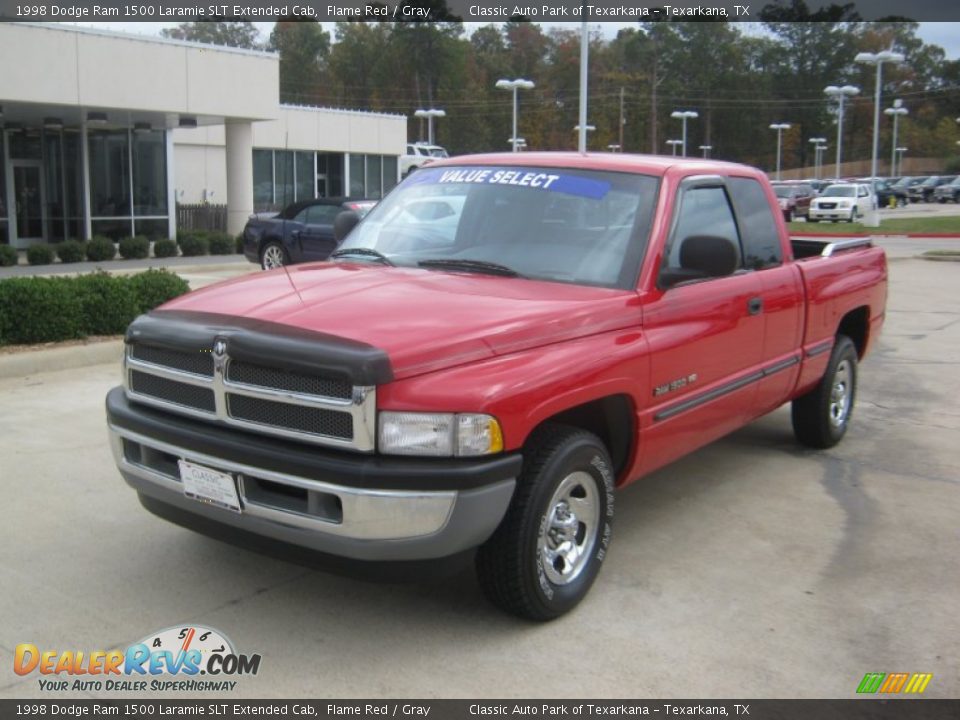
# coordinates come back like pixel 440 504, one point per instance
pixel 209 486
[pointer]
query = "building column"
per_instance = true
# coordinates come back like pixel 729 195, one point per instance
pixel 239 137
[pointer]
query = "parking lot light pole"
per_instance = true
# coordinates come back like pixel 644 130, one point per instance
pixel 684 115
pixel 820 150
pixel 706 150
pixel 896 111
pixel 840 93
pixel 817 142
pixel 430 115
pixel 779 127
pixel 877 59
pixel 674 144
pixel 513 86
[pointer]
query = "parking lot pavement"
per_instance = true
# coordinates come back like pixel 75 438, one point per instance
pixel 753 568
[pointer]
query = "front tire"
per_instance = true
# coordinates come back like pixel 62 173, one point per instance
pixel 853 216
pixel 273 255
pixel 822 416
pixel 543 558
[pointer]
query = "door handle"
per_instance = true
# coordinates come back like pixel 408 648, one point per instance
pixel 755 305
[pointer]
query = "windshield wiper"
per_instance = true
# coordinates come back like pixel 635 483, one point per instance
pixel 365 252
pixel 478 266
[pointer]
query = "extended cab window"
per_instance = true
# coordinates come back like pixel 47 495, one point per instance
pixel 761 239
pixel 705 242
pixel 559 224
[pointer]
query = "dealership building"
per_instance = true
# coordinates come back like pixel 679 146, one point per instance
pixel 106 133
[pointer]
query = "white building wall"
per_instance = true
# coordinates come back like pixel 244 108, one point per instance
pixel 200 173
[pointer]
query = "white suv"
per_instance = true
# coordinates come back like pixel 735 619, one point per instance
pixel 418 155
pixel 842 201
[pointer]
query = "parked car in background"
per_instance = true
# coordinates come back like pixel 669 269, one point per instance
pixel 794 199
pixel 923 192
pixel 817 185
pixel 301 233
pixel 884 189
pixel 842 201
pixel 948 191
pixel 418 155
pixel 906 182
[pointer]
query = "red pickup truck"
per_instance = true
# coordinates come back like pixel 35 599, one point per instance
pixel 493 352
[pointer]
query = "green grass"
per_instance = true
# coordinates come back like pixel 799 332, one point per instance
pixel 942 253
pixel 895 226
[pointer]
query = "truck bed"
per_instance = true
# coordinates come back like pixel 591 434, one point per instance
pixel 827 246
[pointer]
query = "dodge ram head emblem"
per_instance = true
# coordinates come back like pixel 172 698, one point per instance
pixel 220 348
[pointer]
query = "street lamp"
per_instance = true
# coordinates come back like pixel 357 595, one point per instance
pixel 896 111
pixel 779 127
pixel 841 93
pixel 521 143
pixel 900 151
pixel 877 59
pixel 586 129
pixel 684 115
pixel 817 142
pixel 513 86
pixel 613 147
pixel 706 150
pixel 673 144
pixel 430 115
pixel 820 150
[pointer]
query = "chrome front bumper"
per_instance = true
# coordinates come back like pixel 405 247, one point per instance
pixel 354 522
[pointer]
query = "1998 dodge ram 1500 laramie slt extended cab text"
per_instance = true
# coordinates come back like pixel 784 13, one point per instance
pixel 494 351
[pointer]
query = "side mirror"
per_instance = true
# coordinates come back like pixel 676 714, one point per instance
pixel 343 224
pixel 702 257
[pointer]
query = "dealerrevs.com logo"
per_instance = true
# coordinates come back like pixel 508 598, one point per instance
pixel 173 659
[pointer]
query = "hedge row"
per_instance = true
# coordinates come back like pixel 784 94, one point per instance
pixel 100 249
pixel 47 309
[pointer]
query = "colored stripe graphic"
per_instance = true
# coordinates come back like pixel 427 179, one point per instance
pixel 894 682
pixel 918 682
pixel 871 682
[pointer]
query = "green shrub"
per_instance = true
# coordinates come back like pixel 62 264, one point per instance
pixel 39 309
pixel 222 244
pixel 155 287
pixel 107 303
pixel 239 241
pixel 134 248
pixel 71 251
pixel 43 309
pixel 193 245
pixel 100 249
pixel 8 256
pixel 39 254
pixel 165 248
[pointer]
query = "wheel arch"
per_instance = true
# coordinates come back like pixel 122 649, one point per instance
pixel 611 418
pixel 856 326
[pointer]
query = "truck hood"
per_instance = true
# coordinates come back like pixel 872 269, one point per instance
pixel 425 320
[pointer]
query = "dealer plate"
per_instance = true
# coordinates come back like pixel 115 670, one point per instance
pixel 209 486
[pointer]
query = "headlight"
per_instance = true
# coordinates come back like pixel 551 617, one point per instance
pixel 439 434
pixel 843 204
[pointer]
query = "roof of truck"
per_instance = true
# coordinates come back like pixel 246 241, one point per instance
pixel 622 162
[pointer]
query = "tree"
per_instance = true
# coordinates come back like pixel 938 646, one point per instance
pixel 232 34
pixel 304 48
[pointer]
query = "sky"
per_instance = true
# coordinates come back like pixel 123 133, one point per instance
pixel 944 34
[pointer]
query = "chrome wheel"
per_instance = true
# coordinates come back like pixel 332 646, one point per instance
pixel 568 530
pixel 273 257
pixel 840 395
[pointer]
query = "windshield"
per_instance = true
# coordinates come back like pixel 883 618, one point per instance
pixel 558 224
pixel 905 182
pixel 782 191
pixel 437 152
pixel 930 181
pixel 840 191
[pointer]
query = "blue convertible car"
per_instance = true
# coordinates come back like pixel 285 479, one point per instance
pixel 301 233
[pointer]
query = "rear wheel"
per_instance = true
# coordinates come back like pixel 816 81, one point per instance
pixel 821 417
pixel 273 255
pixel 547 551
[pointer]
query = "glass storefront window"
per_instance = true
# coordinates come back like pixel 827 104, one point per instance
pixel 73 184
pixel 150 174
pixel 374 181
pixel 109 173
pixel 24 145
pixel 113 229
pixel 305 175
pixel 283 173
pixel 358 181
pixel 262 179
pixel 151 229
pixel 389 173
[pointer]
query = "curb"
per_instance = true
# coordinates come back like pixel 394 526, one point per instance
pixel 33 362
pixel 910 236
pixel 177 269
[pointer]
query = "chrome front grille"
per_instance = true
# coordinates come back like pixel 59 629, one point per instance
pixel 216 387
